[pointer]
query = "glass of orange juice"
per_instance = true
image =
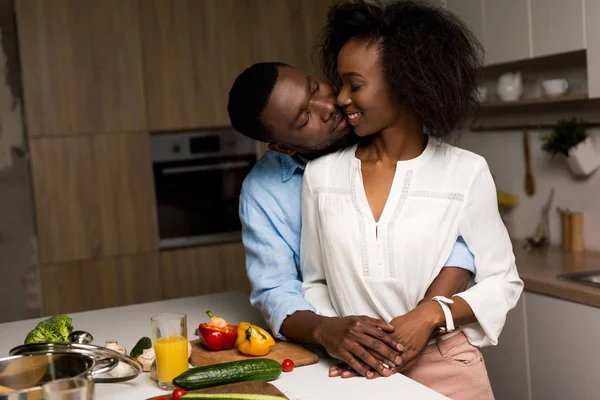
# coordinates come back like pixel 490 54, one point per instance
pixel 169 334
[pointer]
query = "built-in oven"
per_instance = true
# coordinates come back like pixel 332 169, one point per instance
pixel 197 179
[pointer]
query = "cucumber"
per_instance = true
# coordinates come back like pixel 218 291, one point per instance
pixel 232 396
pixel 142 344
pixel 258 369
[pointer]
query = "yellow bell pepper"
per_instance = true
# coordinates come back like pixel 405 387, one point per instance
pixel 254 340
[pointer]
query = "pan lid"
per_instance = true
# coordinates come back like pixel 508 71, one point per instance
pixel 133 369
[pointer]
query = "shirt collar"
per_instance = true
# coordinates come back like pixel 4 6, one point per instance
pixel 289 165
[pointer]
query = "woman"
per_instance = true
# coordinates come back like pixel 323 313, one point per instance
pixel 380 217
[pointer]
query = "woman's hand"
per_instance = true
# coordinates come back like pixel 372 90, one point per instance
pixel 414 329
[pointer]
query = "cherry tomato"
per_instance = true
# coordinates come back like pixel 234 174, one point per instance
pixel 287 365
pixel 177 393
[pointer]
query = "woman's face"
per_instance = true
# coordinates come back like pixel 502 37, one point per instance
pixel 365 96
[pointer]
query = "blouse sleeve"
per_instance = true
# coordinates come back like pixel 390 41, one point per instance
pixel 314 286
pixel 497 284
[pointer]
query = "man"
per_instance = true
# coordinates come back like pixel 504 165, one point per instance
pixel 297 115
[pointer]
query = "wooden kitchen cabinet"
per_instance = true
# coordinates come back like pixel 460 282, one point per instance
pixel 563 349
pixel 193 50
pixel 82 67
pixel 202 270
pixel 471 12
pixel 94 196
pixel 557 26
pixel 506 30
pixel 507 363
pixel 100 283
pixel 290 30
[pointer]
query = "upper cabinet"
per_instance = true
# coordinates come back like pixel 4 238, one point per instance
pixel 193 50
pixel 502 27
pixel 519 30
pixel 185 45
pixel 81 64
pixel 512 30
pixel 557 26
pixel 471 12
pixel 506 30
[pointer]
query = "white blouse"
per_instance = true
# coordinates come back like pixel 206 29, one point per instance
pixel 353 265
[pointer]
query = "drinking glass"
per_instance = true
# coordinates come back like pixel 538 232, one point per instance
pixel 78 388
pixel 169 334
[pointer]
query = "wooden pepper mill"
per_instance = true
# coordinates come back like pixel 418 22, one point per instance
pixel 572 231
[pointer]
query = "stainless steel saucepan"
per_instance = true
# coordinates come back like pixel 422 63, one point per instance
pixel 21 376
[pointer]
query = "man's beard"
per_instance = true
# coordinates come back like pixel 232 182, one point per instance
pixel 310 153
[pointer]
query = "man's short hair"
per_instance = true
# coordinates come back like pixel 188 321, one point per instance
pixel 249 96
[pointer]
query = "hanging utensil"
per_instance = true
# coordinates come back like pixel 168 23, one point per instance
pixel 529 181
pixel 544 218
pixel 541 235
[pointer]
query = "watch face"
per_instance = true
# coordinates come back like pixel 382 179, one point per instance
pixel 443 330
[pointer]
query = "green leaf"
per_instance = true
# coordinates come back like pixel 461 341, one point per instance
pixel 565 135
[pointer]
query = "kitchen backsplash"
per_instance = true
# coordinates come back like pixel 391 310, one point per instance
pixel 504 154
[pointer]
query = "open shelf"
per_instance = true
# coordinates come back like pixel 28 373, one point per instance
pixel 535 101
pixel 535 110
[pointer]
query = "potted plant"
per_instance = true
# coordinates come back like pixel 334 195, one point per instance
pixel 569 139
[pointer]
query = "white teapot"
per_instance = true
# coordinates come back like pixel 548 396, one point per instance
pixel 510 86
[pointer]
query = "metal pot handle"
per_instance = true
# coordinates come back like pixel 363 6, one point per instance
pixel 103 365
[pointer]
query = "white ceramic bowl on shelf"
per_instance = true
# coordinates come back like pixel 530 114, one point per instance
pixel 555 87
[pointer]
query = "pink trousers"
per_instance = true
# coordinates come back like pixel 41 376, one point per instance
pixel 454 368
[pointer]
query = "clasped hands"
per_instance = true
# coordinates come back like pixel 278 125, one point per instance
pixel 372 348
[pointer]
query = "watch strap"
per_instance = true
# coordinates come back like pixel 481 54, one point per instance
pixel 443 302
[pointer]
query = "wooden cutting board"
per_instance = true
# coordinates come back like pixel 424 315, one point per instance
pixel 299 355
pixel 241 387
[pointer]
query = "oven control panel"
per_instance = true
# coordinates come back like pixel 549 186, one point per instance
pixel 181 146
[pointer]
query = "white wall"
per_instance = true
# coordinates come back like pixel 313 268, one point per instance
pixel 504 153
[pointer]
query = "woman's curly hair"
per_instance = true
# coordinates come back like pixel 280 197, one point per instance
pixel 431 59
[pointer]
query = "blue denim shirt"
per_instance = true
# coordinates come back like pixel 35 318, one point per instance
pixel 270 212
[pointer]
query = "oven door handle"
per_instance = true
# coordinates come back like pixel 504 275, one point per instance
pixel 201 168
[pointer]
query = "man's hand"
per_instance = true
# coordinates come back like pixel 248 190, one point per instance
pixel 361 342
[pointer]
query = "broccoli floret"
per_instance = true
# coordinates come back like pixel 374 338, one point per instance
pixel 35 336
pixel 42 333
pixel 53 329
pixel 62 325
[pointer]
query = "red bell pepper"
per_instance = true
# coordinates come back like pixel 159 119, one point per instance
pixel 217 334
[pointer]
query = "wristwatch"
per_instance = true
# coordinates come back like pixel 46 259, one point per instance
pixel 443 302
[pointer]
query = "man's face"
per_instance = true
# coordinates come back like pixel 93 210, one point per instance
pixel 302 115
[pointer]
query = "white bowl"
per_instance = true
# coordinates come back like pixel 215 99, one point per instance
pixel 555 87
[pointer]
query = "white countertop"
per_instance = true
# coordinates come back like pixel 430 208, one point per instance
pixel 128 324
